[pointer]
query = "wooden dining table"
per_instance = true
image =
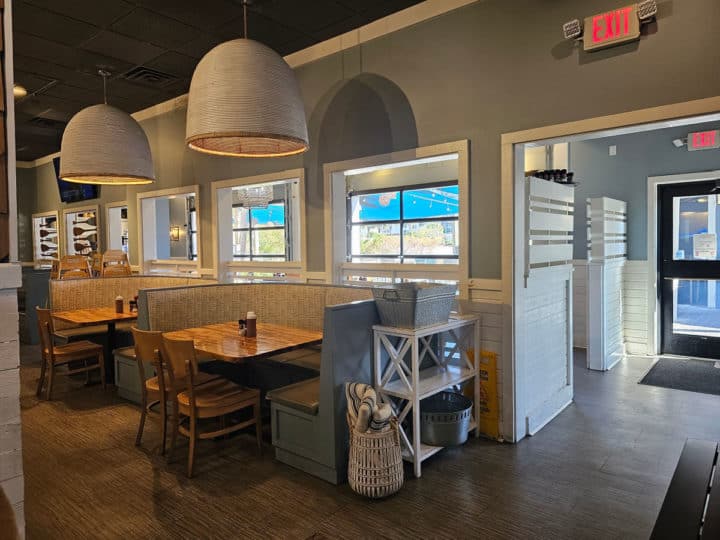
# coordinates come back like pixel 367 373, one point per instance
pixel 97 316
pixel 224 342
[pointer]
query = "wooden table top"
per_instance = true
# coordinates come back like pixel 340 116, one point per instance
pixel 222 340
pixel 89 316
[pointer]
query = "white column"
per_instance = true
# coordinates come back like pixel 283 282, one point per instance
pixel 11 471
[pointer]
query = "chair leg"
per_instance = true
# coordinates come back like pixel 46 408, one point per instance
pixel 43 363
pixel 193 440
pixel 101 361
pixel 51 372
pixel 258 425
pixel 87 372
pixel 175 425
pixel 163 420
pixel 143 415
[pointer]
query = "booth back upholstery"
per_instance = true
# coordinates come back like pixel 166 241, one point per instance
pixel 98 292
pixel 298 305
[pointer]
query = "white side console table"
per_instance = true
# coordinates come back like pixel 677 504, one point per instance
pixel 403 385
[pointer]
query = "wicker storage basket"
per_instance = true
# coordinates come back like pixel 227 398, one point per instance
pixel 375 467
pixel 414 305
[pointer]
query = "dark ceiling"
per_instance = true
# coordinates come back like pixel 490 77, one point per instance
pixel 150 46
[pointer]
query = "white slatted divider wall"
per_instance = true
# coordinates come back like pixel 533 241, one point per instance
pixel 544 320
pixel 549 224
pixel 606 260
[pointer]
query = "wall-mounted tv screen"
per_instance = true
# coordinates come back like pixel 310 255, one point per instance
pixel 72 192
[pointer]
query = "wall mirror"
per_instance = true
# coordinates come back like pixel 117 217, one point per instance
pixel 259 227
pixel 116 220
pixel 170 230
pixel 81 227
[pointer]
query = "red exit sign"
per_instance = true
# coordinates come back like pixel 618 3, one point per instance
pixel 611 28
pixel 703 140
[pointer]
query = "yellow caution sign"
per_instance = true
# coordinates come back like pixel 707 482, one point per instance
pixel 487 416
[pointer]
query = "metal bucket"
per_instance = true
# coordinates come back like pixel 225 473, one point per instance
pixel 445 419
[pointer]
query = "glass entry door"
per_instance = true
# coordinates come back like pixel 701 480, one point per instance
pixel 689 269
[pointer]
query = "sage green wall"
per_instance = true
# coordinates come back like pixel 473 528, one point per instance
pixel 475 73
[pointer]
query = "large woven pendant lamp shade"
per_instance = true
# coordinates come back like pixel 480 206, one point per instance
pixel 104 145
pixel 244 101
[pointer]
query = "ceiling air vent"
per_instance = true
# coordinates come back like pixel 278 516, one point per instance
pixel 149 77
pixel 47 122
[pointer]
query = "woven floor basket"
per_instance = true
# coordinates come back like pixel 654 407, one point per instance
pixel 375 468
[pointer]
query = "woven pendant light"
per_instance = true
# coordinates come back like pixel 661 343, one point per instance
pixel 244 101
pixel 104 145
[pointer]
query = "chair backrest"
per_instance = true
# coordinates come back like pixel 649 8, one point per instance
pixel 147 343
pixel 174 354
pixel 74 266
pixel 115 263
pixel 45 329
pixel 96 263
pixel 55 269
pixel 115 270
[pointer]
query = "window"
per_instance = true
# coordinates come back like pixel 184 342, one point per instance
pixel 410 225
pixel 259 227
pixel 260 233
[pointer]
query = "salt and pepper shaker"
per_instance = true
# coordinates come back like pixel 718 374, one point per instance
pixel 119 304
pixel 251 324
pixel 242 330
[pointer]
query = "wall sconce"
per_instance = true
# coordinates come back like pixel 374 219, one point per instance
pixel 175 233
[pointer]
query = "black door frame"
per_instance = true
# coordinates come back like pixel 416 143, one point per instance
pixel 669 269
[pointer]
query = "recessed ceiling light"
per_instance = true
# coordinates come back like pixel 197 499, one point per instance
pixel 19 91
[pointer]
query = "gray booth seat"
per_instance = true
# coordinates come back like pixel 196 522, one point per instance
pixel 309 429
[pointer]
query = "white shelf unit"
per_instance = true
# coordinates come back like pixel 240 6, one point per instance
pixel 607 254
pixel 403 385
pixel 46 238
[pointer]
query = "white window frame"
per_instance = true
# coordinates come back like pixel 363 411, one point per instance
pixel 335 220
pixel 294 270
pixel 108 207
pixel 170 266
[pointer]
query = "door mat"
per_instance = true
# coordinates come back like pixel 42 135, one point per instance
pixel 685 374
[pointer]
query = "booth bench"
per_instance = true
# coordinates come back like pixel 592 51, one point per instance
pixel 309 429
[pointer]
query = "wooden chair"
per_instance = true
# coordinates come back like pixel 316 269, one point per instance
pixel 114 262
pixel 54 269
pixel 156 390
pixel 204 400
pixel 56 355
pixel 95 263
pixel 74 266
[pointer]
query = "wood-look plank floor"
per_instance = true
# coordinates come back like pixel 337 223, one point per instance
pixel 599 470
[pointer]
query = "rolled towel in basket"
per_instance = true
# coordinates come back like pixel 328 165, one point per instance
pixel 355 392
pixel 381 417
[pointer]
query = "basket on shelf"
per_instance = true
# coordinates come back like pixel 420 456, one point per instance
pixel 414 305
pixel 375 466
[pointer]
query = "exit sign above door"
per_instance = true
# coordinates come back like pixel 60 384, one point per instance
pixel 703 140
pixel 611 28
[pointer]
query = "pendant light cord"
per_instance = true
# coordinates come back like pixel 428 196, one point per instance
pixel 245 19
pixel 104 74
